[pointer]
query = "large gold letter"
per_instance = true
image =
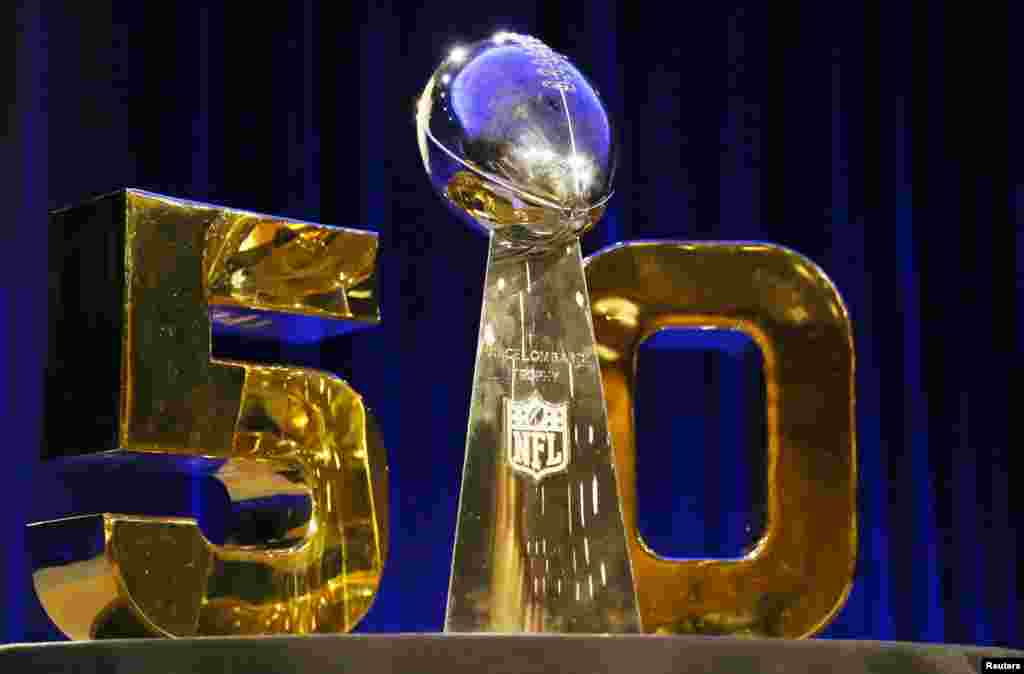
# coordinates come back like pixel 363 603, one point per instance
pixel 799 574
pixel 133 278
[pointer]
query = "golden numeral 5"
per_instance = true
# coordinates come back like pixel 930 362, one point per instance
pixel 799 574
pixel 139 272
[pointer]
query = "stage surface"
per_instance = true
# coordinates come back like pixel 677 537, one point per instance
pixel 497 654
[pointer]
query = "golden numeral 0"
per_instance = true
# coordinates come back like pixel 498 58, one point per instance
pixel 800 572
pixel 139 272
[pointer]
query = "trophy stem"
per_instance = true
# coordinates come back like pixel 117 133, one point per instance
pixel 540 544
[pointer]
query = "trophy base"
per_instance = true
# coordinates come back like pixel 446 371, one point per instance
pixel 475 653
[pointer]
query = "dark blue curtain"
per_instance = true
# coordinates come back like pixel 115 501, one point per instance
pixel 869 137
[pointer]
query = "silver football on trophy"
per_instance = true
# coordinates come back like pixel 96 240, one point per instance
pixel 517 141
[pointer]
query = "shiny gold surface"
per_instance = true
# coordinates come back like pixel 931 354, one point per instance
pixel 283 430
pixel 256 262
pixel 799 574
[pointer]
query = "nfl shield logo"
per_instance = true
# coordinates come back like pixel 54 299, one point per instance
pixel 537 436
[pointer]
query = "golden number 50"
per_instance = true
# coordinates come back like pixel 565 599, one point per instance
pixel 142 271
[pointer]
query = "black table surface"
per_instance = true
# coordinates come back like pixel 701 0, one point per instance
pixel 465 654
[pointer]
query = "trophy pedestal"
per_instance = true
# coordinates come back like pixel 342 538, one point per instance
pixel 477 653
pixel 540 545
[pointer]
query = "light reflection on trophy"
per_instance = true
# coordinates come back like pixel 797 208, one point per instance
pixel 519 145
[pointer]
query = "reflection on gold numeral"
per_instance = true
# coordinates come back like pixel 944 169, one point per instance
pixel 800 572
pixel 281 431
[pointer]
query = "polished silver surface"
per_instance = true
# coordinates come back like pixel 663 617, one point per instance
pixel 540 544
pixel 516 140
